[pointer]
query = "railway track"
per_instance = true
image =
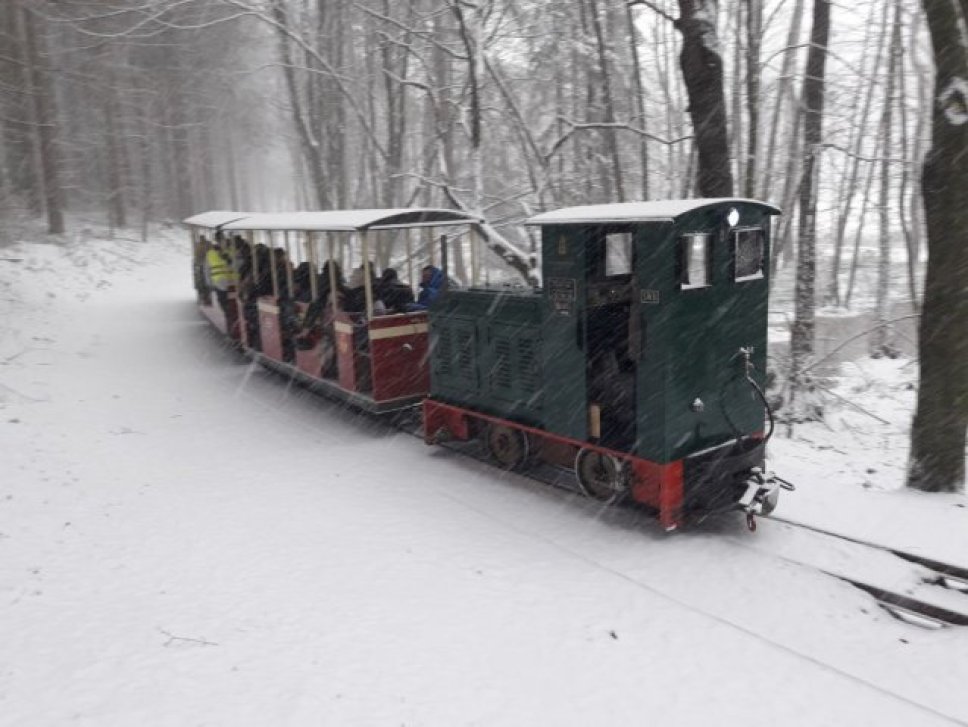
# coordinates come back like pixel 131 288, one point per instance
pixel 944 578
pixel 564 480
pixel 923 612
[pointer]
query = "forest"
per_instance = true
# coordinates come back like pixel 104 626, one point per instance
pixel 850 117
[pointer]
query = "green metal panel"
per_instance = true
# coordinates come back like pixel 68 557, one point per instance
pixel 485 352
pixel 692 393
pixel 562 353
pixel 655 279
pixel 524 356
pixel 513 366
pixel 454 353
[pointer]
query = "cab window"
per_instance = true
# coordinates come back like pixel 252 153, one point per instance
pixel 618 254
pixel 695 252
pixel 748 254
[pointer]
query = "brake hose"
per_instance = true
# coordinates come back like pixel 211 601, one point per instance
pixel 748 367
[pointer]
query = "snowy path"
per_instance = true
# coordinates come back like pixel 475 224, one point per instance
pixel 185 540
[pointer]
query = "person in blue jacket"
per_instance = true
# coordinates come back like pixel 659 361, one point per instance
pixel 431 281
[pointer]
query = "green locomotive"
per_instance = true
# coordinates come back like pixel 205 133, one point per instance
pixel 640 362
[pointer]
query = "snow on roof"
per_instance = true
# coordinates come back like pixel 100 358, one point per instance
pixel 653 211
pixel 352 219
pixel 213 218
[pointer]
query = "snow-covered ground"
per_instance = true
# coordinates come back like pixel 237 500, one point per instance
pixel 184 539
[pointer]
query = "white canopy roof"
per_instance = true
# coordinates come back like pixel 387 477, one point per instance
pixel 655 211
pixel 214 218
pixel 336 220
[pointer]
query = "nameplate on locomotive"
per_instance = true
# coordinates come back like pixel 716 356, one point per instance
pixel 563 292
pixel 649 296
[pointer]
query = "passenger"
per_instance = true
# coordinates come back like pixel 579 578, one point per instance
pixel 242 262
pixel 283 266
pixel 356 293
pixel 220 274
pixel 324 282
pixel 201 282
pixel 263 283
pixel 320 309
pixel 394 293
pixel 301 283
pixel 431 281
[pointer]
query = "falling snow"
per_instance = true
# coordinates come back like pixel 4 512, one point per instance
pixel 185 539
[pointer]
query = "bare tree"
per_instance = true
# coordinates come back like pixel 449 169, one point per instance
pixel 754 29
pixel 702 70
pixel 880 342
pixel 938 434
pixel 45 113
pixel 802 338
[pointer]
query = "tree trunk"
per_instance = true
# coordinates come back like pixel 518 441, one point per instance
pixel 20 155
pixel 702 70
pixel 754 28
pixel 45 113
pixel 611 141
pixel 472 36
pixel 735 122
pixel 638 91
pixel 784 90
pixel 881 343
pixel 859 133
pixel 938 435
pixel 114 140
pixel 305 128
pixel 802 339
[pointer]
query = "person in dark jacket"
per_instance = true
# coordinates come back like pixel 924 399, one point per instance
pixel 263 282
pixel 395 294
pixel 283 268
pixel 356 293
pixel 301 283
pixel 431 281
pixel 355 301
pixel 320 310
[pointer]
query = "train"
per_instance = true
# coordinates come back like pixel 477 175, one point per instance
pixel 638 363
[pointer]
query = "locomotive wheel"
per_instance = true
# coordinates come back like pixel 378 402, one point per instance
pixel 601 476
pixel 508 447
pixel 328 349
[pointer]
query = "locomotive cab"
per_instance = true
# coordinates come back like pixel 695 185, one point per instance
pixel 669 313
pixel 642 358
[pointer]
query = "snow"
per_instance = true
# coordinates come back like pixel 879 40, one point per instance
pixel 186 539
pixel 348 220
pixel 215 218
pixel 653 211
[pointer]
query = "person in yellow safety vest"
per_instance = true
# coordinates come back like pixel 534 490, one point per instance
pixel 219 274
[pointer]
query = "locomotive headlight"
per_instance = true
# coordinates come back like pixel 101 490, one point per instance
pixel 732 217
pixel 697 406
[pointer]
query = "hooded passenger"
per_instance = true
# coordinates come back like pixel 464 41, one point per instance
pixel 431 281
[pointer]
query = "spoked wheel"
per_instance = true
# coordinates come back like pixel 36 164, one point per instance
pixel 601 476
pixel 508 447
pixel 328 350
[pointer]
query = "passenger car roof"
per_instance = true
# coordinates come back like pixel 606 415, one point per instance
pixel 213 218
pixel 341 220
pixel 668 210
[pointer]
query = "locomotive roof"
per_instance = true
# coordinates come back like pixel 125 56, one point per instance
pixel 214 218
pixel 341 220
pixel 667 210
